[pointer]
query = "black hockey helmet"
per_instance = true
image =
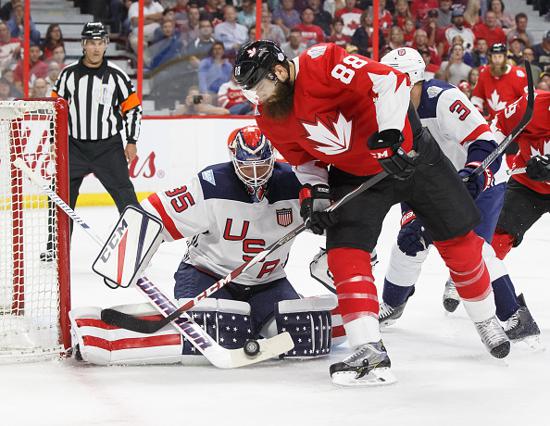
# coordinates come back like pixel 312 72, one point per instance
pixel 94 31
pixel 255 60
pixel 498 48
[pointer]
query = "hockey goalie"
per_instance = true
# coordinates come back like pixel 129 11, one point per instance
pixel 228 212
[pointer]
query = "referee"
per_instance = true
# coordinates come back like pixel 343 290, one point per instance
pixel 102 104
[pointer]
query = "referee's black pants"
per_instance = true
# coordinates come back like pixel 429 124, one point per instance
pixel 107 161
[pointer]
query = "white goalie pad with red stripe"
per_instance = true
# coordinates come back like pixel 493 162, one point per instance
pixel 104 344
pixel 128 250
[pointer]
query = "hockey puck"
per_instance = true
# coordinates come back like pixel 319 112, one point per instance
pixel 251 348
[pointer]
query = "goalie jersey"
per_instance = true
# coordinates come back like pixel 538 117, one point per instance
pixel 225 227
pixel 453 121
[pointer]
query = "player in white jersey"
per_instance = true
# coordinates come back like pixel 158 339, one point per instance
pixel 466 139
pixel 230 212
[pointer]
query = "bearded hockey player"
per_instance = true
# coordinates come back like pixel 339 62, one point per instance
pixel 230 212
pixel 499 83
pixel 466 139
pixel 327 107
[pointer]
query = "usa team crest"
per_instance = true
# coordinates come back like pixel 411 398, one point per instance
pixel 284 217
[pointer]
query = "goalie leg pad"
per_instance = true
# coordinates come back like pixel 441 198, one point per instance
pixel 103 344
pixel 309 323
pixel 228 322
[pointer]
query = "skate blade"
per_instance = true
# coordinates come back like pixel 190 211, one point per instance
pixel 387 323
pixel 377 377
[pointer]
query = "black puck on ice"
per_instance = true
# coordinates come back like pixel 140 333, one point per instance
pixel 251 348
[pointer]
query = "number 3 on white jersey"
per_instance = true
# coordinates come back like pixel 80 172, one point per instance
pixel 345 74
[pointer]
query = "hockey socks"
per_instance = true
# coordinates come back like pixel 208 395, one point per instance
pixel 395 295
pixel 505 297
pixel 462 255
pixel 357 295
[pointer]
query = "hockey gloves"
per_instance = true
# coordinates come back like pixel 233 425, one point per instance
pixel 538 167
pixel 476 184
pixel 313 200
pixel 385 147
pixel 412 237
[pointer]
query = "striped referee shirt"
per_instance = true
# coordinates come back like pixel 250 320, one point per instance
pixel 102 101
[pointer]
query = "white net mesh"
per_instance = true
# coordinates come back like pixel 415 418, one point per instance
pixel 29 272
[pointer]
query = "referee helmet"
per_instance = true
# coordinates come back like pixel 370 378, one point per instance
pixel 94 31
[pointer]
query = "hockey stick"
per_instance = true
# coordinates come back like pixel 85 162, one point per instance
pixel 220 357
pixel 139 325
pixel 517 171
pixel 515 132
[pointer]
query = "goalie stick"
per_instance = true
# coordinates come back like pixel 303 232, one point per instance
pixel 216 354
pixel 131 322
pixel 515 132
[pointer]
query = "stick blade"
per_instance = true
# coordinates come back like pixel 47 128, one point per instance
pixel 128 322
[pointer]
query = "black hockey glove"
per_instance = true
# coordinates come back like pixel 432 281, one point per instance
pixel 538 167
pixel 313 200
pixel 412 237
pixel 385 147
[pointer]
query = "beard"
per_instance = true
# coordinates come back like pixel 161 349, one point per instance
pixel 280 104
pixel 498 70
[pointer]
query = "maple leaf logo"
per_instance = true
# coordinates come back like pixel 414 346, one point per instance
pixel 331 143
pixel 495 103
pixel 545 149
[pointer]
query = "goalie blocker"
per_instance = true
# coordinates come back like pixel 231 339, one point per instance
pixel 226 321
pixel 134 240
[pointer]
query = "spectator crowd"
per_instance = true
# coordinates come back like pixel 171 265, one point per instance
pixel 189 45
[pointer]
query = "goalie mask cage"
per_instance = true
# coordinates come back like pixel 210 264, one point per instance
pixel 34 293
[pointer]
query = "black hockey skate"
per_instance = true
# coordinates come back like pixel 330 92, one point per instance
pixel 521 326
pixel 369 365
pixel 451 299
pixel 493 337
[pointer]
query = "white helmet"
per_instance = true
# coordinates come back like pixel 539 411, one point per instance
pixel 406 60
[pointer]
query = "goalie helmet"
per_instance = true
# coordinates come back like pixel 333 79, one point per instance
pixel 407 60
pixel 253 158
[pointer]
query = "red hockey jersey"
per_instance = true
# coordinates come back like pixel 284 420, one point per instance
pixel 340 100
pixel 497 92
pixel 535 138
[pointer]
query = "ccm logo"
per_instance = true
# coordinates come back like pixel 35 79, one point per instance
pixel 381 154
pixel 113 242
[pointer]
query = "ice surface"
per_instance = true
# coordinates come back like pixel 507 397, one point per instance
pixel 445 376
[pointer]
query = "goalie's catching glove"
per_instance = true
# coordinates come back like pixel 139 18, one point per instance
pixel 313 200
pixel 385 147
pixel 538 167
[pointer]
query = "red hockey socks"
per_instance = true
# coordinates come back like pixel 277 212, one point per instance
pixel 357 296
pixel 462 255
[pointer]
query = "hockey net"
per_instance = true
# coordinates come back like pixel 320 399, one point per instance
pixel 34 234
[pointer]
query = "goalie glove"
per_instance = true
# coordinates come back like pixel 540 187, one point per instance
pixel 538 167
pixel 313 200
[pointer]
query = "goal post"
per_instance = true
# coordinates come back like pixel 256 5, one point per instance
pixel 34 233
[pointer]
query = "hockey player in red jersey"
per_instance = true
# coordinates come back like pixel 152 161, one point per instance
pixel 327 107
pixel 499 83
pixel 527 195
